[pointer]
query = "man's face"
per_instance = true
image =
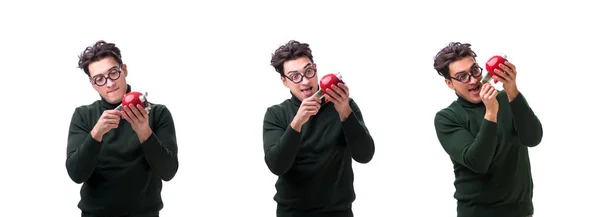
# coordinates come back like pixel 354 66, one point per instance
pixel 300 76
pixel 108 79
pixel 467 71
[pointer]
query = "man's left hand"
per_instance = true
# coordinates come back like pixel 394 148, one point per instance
pixel 508 77
pixel 339 95
pixel 137 116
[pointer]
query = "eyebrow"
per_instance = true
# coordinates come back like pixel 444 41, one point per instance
pixel 307 65
pixel 463 71
pixel 107 71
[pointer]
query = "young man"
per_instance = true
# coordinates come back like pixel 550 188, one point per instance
pixel 309 143
pixel 487 134
pixel 120 156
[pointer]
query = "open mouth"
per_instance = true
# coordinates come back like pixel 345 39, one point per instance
pixel 306 91
pixel 475 90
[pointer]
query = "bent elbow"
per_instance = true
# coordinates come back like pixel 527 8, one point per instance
pixel 77 180
pixel 534 140
pixel 276 168
pixel 363 159
pixel 171 173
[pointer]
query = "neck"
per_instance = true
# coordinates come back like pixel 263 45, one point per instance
pixel 466 103
pixel 108 105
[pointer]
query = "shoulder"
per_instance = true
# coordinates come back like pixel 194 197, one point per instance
pixel 448 113
pixel 84 109
pixel 278 108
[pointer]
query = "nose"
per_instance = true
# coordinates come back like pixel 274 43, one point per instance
pixel 305 80
pixel 110 83
pixel 473 80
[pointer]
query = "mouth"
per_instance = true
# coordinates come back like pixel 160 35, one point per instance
pixel 475 90
pixel 307 91
pixel 112 90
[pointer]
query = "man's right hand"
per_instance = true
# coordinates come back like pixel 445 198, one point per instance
pixel 488 95
pixel 107 121
pixel 309 107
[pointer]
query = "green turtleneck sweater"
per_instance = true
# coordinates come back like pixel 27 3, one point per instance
pixel 120 176
pixel 314 166
pixel 491 159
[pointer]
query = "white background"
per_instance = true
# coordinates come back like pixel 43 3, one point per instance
pixel 217 55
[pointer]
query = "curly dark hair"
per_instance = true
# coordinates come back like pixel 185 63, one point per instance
pixel 99 50
pixel 290 51
pixel 453 52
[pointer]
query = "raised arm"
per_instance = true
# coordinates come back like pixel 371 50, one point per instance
pixel 281 143
pixel 160 148
pixel 526 123
pixel 475 153
pixel 82 150
pixel 358 138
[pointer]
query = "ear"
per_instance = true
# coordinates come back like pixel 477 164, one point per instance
pixel 124 68
pixel 449 83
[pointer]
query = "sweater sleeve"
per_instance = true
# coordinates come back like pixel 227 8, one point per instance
pixel 473 152
pixel 82 150
pixel 281 143
pixel 526 123
pixel 358 138
pixel 160 149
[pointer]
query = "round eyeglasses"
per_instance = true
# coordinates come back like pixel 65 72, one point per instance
pixel 298 77
pixel 100 80
pixel 465 77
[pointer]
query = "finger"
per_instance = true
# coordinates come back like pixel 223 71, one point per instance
pixel 512 67
pixel 501 73
pixel 333 94
pixel 500 79
pixel 488 90
pixel 127 118
pixel 108 116
pixel 507 70
pixel 143 112
pixel 132 113
pixel 112 112
pixel 113 126
pixel 310 103
pixel 344 87
pixel 314 99
pixel 113 120
pixel 136 111
pixel 331 99
pixel 495 93
pixel 338 90
pixel 334 91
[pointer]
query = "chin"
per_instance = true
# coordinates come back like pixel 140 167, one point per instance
pixel 475 100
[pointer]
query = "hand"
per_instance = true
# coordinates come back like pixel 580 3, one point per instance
pixel 137 116
pixel 107 121
pixel 508 77
pixel 488 94
pixel 339 95
pixel 309 107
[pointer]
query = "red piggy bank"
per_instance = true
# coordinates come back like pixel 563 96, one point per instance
pixel 494 63
pixel 328 80
pixel 134 98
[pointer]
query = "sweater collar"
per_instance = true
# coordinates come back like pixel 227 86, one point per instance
pixel 108 105
pixel 466 103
